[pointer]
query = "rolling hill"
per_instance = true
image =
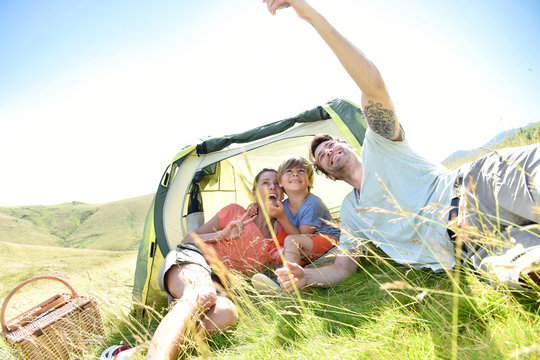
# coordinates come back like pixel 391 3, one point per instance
pixel 112 226
pixel 513 137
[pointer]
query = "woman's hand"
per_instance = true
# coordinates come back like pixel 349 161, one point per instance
pixel 235 228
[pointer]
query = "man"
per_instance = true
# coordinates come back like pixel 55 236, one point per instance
pixel 401 202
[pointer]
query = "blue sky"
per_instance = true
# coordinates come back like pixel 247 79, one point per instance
pixel 96 97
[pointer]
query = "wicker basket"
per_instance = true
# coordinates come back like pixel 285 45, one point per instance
pixel 58 328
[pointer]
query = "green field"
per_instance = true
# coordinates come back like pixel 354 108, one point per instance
pixel 93 247
pixel 418 315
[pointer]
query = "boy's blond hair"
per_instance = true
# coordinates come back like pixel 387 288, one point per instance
pixel 297 162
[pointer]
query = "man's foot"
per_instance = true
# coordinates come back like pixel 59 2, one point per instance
pixel 266 285
pixel 530 276
pixel 518 268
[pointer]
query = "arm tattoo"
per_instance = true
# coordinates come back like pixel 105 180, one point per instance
pixel 380 120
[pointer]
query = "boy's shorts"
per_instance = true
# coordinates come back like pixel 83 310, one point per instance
pixel 321 244
pixel 184 253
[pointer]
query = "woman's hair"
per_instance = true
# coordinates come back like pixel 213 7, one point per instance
pixel 258 176
pixel 297 162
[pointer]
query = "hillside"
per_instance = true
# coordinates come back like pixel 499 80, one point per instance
pixel 509 138
pixel 112 226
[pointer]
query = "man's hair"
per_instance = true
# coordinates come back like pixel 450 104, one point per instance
pixel 297 162
pixel 258 176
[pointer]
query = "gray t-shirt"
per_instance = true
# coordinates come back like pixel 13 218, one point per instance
pixel 402 206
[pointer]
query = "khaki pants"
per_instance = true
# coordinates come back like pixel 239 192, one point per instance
pixel 500 194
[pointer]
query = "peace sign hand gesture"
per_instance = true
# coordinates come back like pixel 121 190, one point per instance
pixel 235 228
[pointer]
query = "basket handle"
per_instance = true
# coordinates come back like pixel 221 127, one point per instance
pixel 74 294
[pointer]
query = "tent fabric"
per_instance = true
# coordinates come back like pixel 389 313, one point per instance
pixel 207 176
pixel 274 128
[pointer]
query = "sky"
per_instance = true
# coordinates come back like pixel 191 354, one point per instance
pixel 96 97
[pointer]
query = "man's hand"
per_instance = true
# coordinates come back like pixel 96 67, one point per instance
pixel 291 276
pixel 302 8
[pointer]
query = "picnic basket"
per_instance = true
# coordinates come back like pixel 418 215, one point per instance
pixel 58 328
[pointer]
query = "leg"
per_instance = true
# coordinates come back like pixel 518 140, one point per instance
pixel 221 316
pixel 503 188
pixel 296 247
pixel 501 199
pixel 192 286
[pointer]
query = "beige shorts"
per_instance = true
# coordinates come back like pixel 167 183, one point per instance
pixel 185 253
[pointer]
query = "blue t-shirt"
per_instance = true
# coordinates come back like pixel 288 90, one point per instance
pixel 312 212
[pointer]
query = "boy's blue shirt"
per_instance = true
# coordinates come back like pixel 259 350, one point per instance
pixel 312 212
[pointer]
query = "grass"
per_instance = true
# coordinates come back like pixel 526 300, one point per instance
pixel 105 275
pixel 382 311
pixel 358 320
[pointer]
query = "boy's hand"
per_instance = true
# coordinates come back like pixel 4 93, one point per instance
pixel 276 210
pixel 252 210
pixel 291 276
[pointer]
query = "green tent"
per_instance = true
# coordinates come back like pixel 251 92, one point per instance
pixel 203 178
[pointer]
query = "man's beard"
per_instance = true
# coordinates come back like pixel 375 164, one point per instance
pixel 344 165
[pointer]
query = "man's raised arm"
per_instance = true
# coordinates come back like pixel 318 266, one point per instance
pixel 376 102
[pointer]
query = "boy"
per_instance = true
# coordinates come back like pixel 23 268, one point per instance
pixel 303 216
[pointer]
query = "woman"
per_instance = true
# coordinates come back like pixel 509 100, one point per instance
pixel 236 237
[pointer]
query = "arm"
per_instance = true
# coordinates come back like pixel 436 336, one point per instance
pixel 207 232
pixel 376 102
pixel 278 212
pixel 341 269
pixel 288 226
pixel 211 231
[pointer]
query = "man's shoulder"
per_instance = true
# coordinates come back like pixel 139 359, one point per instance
pixel 351 199
pixel 376 145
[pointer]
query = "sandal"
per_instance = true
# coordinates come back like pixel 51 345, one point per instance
pixel 112 353
pixel 266 285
